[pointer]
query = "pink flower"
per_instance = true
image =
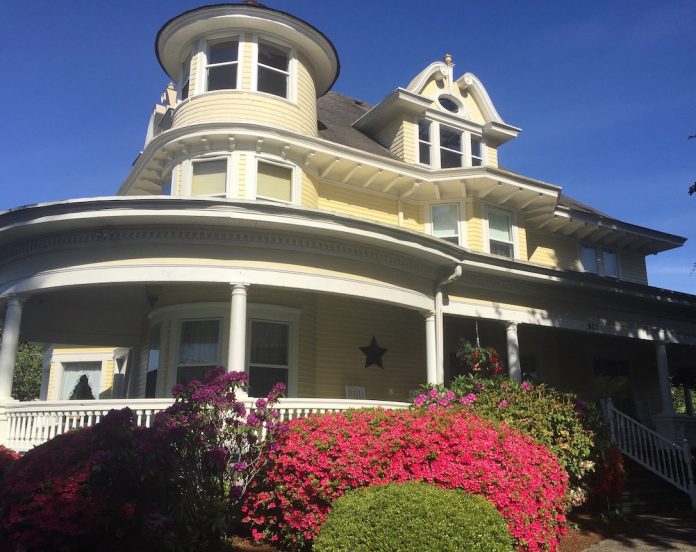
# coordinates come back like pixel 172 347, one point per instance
pixel 525 385
pixel 468 399
pixel 503 404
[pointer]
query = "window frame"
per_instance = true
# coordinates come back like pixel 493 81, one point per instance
pixel 461 225
pixel 514 230
pixel 204 65
pixel 291 72
pixel 466 137
pixel 251 184
pixel 60 359
pixel 429 143
pixel 229 173
pixel 185 77
pixel 599 252
pixel 177 343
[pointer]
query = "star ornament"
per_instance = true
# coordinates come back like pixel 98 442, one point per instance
pixel 373 354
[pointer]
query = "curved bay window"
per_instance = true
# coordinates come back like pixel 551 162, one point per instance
pixel 273 70
pixel 222 65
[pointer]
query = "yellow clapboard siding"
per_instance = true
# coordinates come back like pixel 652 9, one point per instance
pixel 392 137
pixel 491 156
pixel 358 204
pixel 414 216
pixel 107 379
pixel 632 266
pixel 549 250
pixel 521 237
pixel 344 325
pixel 310 197
pixel 474 226
pixel 410 133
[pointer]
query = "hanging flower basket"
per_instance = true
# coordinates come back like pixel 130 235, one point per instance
pixel 483 361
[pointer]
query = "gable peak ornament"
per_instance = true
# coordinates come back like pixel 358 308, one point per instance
pixel 373 354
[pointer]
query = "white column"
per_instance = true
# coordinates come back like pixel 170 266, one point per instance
pixel 513 351
pixel 237 341
pixel 663 380
pixel 8 349
pixel 431 347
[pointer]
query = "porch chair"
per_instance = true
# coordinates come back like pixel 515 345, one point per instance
pixel 355 392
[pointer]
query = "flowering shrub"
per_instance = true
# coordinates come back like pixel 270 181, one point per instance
pixel 322 457
pixel 116 487
pixel 216 442
pixel 569 428
pixel 85 490
pixel 412 517
pixel 7 459
pixel 484 361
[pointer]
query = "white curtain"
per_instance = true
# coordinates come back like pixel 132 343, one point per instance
pixel 73 371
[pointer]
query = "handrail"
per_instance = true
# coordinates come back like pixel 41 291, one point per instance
pixel 653 451
pixel 27 424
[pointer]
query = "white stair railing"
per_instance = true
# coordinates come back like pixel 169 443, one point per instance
pixel 656 453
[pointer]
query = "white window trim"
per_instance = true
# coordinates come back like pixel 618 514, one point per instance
pixel 200 51
pixel 419 141
pixel 231 187
pixel 252 173
pixel 61 359
pixel 435 158
pixel 292 67
pixel 174 315
pixel 514 230
pixel 599 260
pixel 283 315
pixel 462 218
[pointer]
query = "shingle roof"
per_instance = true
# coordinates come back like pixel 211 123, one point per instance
pixel 336 114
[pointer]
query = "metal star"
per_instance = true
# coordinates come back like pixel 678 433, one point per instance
pixel 373 354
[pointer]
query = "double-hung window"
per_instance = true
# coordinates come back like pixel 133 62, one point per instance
pixel 424 142
pixel 274 181
pixel 273 66
pixel 588 259
pixel 223 61
pixel 269 355
pixel 599 261
pixel 610 263
pixel 450 148
pixel 153 360
pixel 185 79
pixel 444 218
pixel 500 233
pixel 209 177
pixel 199 349
pixel 80 380
pixel 476 152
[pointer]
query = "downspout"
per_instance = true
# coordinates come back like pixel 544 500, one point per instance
pixel 439 322
pixel 400 200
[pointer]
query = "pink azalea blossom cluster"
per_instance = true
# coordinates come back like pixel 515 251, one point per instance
pixel 435 398
pixel 322 457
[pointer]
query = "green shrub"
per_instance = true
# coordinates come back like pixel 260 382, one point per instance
pixel 414 517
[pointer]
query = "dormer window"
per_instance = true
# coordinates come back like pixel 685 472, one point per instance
pixel 273 70
pixel 450 148
pixel 424 142
pixel 222 65
pixel 476 152
pixel 599 261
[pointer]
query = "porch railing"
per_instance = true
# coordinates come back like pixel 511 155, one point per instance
pixel 677 426
pixel 662 456
pixel 25 425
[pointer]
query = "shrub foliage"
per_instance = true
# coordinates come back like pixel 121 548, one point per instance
pixel 322 457
pixel 412 517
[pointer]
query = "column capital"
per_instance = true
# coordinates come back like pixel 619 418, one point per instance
pixel 16 298
pixel 238 288
pixel 428 314
pixel 510 325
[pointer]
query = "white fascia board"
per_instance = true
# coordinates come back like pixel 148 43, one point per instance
pixel 664 240
pixel 254 131
pixel 499 133
pixel 400 100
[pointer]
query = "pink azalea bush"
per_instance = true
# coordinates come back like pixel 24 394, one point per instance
pixel 322 457
pixel 7 459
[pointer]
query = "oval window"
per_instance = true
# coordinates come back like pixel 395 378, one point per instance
pixel 448 103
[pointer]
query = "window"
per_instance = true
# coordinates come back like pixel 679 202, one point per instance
pixel 185 79
pixel 153 358
pixel 209 177
pixel 476 152
pixel 199 349
pixel 222 65
pixel 424 142
pixel 274 181
pixel 80 381
pixel 500 234
pixel 450 148
pixel 445 221
pixel 269 355
pixel 273 70
pixel 599 261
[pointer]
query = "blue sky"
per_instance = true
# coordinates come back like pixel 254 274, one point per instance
pixel 603 90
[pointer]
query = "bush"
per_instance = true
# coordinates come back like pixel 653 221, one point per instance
pixel 8 458
pixel 116 487
pixel 570 430
pixel 322 457
pixel 412 517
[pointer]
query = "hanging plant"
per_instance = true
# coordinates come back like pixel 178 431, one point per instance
pixel 483 361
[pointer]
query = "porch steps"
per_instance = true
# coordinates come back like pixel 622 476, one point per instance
pixel 646 493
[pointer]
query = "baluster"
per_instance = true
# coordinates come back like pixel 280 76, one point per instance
pixel 138 417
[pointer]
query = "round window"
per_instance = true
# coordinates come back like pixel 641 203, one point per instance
pixel 448 103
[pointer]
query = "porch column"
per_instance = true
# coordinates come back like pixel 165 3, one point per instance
pixel 663 380
pixel 431 347
pixel 237 341
pixel 8 349
pixel 513 352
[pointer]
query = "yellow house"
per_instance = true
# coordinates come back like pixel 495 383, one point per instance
pixel 280 228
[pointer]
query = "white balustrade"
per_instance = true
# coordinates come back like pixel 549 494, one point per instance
pixel 31 423
pixel 670 460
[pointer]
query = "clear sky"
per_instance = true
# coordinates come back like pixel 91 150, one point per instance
pixel 605 92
